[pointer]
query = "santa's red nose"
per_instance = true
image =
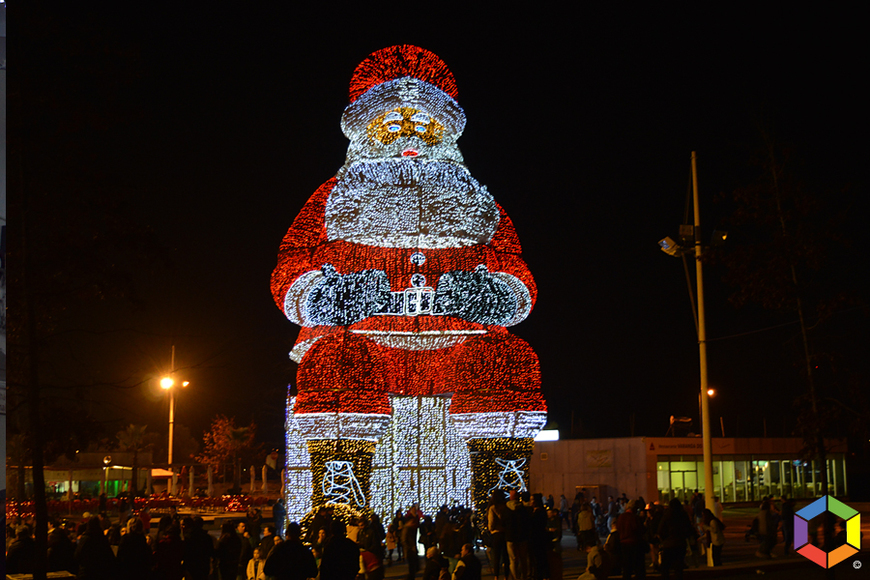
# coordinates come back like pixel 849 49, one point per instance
pixel 409 153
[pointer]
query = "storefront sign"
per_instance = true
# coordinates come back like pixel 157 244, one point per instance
pixel 686 445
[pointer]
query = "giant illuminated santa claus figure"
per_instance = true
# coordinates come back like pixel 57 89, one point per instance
pixel 404 272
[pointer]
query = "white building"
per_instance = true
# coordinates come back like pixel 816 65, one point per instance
pixel 660 468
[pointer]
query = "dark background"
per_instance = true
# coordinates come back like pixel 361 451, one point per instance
pixel 214 126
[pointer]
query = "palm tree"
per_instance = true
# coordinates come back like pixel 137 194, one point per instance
pixel 133 438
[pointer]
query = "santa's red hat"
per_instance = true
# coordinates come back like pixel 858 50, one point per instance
pixel 402 76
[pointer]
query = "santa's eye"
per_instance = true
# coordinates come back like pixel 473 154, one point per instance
pixel 394 128
pixel 420 129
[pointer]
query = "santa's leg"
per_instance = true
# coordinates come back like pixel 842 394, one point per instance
pixel 498 408
pixel 342 411
pixel 499 463
pixel 343 469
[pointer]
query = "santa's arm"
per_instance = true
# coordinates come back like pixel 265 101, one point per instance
pixel 511 268
pixel 313 293
pixel 497 290
pixel 296 274
pixel 513 272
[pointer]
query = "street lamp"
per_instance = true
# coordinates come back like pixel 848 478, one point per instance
pixel 710 393
pixel 166 383
pixel 106 461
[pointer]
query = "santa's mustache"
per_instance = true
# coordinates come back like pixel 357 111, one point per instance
pixel 366 149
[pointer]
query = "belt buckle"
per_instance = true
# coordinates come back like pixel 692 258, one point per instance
pixel 419 300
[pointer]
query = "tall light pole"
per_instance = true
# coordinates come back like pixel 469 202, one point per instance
pixel 672 248
pixel 702 351
pixel 167 383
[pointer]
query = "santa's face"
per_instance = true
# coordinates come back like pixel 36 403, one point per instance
pixel 404 132
pixel 406 123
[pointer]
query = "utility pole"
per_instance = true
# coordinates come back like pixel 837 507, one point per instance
pixel 702 352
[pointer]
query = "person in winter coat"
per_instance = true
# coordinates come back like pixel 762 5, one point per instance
pixel 469 567
pixel 632 541
pixel 94 555
pixel 21 554
pixel 599 562
pixel 496 516
pixel 228 551
pixel 134 554
pixel 61 550
pixel 340 556
pixel 539 539
pixel 517 536
pixel 674 529
pixel 169 553
pixel 766 530
pixel 409 545
pixel 279 514
pixel 585 527
pixel 716 531
pixel 255 567
pixel 198 549
pixel 436 565
pixel 291 559
pixel 371 566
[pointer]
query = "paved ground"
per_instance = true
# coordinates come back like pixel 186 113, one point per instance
pixel 738 557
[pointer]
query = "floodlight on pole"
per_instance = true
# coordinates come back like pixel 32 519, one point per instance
pixel 670 247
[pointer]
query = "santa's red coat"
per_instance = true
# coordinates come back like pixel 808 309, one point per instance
pixel 355 368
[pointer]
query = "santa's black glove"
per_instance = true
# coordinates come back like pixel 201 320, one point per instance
pixel 342 299
pixel 475 296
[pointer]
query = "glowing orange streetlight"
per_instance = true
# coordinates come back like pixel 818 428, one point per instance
pixel 166 383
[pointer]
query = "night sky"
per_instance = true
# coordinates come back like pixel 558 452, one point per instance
pixel 224 121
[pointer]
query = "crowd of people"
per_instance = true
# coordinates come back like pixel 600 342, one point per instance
pixel 520 532
pixel 249 548
pixel 620 535
pixel 95 547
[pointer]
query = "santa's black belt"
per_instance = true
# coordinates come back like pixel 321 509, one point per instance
pixel 415 301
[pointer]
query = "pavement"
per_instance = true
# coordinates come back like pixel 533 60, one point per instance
pixel 738 557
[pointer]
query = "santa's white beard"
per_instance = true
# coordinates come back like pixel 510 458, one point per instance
pixel 410 203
